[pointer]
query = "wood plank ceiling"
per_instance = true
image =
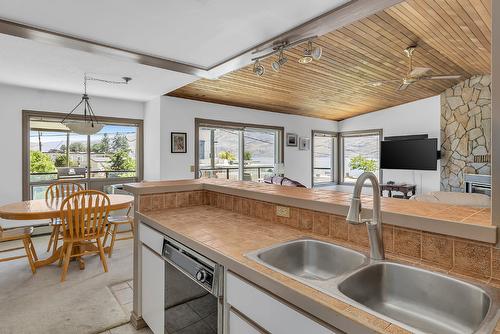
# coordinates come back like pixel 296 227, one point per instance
pixel 453 37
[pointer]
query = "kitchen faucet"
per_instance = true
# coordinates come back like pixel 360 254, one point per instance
pixel 373 225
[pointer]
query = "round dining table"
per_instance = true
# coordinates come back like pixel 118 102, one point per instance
pixel 47 209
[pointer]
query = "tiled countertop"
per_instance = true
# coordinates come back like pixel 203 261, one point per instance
pixel 226 237
pixel 459 221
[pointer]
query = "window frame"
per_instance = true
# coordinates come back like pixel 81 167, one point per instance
pixel 92 183
pixel 357 133
pixel 335 158
pixel 203 122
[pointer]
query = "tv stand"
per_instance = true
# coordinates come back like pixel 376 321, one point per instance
pixel 408 190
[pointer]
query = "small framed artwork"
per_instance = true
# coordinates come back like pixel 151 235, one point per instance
pixel 178 142
pixel 291 139
pixel 304 144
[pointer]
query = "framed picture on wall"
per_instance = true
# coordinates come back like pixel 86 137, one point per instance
pixel 178 142
pixel 291 139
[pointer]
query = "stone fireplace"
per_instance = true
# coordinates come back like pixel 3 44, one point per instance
pixel 465 131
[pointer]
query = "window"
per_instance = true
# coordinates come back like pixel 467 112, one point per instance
pixel 53 152
pixel 360 153
pixel 237 151
pixel 323 157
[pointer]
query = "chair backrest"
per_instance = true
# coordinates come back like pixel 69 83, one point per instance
pixel 62 189
pixel 84 215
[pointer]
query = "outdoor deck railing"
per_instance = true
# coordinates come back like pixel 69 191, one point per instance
pixel 248 172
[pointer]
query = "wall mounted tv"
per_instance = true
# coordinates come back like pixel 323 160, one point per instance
pixel 412 154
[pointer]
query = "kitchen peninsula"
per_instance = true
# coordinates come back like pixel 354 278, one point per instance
pixel 224 221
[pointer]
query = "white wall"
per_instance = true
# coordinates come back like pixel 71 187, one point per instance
pixel 419 117
pixel 14 99
pixel 152 144
pixel 179 114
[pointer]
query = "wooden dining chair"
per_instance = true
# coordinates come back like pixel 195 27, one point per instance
pixel 58 191
pixel 23 234
pixel 114 223
pixel 83 223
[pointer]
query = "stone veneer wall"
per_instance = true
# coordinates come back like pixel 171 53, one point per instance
pixel 465 131
pixel 456 256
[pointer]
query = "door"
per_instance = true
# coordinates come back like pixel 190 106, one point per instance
pixel 153 290
pixel 323 158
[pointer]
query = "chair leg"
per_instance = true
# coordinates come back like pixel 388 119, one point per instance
pixel 28 255
pixel 113 239
pixel 132 228
pixel 102 256
pixel 108 230
pixel 55 242
pixel 51 239
pixel 63 252
pixel 67 256
pixel 33 250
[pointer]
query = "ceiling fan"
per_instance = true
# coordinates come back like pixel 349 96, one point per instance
pixel 414 74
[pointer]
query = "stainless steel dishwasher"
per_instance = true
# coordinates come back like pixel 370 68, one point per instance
pixel 193 291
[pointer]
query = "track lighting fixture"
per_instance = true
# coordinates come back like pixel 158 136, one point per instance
pixel 280 62
pixel 258 69
pixel 310 53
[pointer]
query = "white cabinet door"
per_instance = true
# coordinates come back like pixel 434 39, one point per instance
pixel 153 290
pixel 238 325
pixel 267 312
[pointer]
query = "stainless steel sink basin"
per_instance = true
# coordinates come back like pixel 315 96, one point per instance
pixel 427 301
pixel 310 259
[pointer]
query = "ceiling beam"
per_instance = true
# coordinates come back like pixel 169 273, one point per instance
pixel 337 18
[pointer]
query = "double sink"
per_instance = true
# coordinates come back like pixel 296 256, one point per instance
pixel 419 300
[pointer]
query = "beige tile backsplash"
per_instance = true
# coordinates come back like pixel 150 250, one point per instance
pixel 454 255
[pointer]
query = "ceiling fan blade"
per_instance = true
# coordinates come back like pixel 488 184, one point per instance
pixel 403 86
pixel 380 82
pixel 442 77
pixel 418 72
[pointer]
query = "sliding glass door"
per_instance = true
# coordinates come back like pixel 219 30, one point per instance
pixel 53 152
pixel 219 153
pixel 323 157
pixel 261 153
pixel 237 151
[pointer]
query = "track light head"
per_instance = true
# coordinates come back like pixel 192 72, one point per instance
pixel 306 56
pixel 258 69
pixel 317 52
pixel 278 64
pixel 311 53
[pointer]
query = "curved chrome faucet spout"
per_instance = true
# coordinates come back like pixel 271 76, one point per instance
pixel 373 225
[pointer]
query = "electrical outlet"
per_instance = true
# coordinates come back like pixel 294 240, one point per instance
pixel 283 211
pixel 191 168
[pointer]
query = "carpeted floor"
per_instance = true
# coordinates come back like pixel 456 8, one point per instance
pixel 84 303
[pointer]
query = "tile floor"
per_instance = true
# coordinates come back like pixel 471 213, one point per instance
pixel 123 293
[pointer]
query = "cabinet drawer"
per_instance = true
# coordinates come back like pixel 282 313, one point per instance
pixel 239 325
pixel 151 238
pixel 268 312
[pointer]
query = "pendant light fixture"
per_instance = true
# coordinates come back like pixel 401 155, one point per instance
pixel 89 125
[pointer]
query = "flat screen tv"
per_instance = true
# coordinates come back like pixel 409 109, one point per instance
pixel 413 154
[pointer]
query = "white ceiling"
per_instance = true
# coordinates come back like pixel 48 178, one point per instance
pixel 32 64
pixel 198 32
